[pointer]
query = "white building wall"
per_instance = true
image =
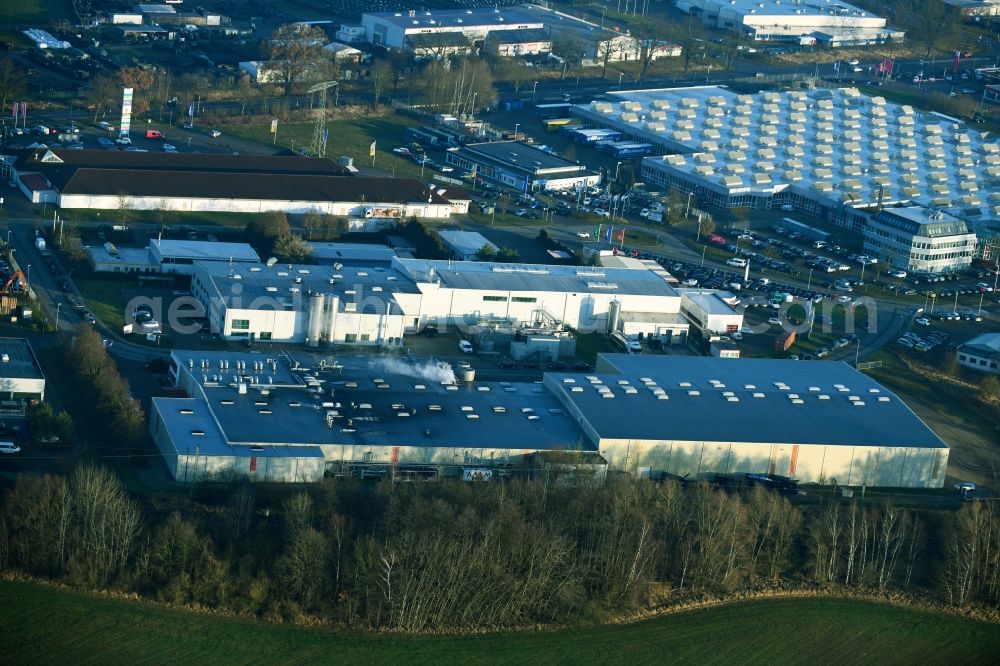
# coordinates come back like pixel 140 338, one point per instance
pixel 284 469
pixel 23 385
pixel 582 311
pixel 976 362
pixel 404 454
pixel 341 208
pixel 808 463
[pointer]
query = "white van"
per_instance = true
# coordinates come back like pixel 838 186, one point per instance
pixel 465 346
pixel 9 447
pixel 736 261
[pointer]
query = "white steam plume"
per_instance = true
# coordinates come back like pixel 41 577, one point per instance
pixel 432 370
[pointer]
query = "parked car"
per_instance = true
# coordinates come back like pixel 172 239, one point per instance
pixel 465 346
pixel 215 134
pixel 583 234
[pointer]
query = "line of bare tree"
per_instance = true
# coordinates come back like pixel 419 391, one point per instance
pixel 449 555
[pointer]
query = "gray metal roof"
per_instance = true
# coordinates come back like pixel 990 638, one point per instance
pixel 207 250
pixel 193 431
pixel 293 410
pixel 537 277
pixel 465 242
pixel 21 362
pixel 517 154
pixel 339 252
pixel 466 19
pixel 985 345
pixel 773 417
pixel 239 284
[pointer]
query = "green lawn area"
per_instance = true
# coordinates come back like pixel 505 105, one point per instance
pixel 38 10
pixel 105 298
pixel 347 137
pixel 44 625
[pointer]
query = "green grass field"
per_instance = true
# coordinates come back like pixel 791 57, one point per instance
pixel 347 137
pixel 105 298
pixel 43 625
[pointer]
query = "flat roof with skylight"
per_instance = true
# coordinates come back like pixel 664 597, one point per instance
pixel 705 399
pixel 835 146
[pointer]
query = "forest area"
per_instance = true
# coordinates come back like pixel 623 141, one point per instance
pixel 453 556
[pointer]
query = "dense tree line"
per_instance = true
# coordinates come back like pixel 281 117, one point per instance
pixel 450 555
pixel 117 416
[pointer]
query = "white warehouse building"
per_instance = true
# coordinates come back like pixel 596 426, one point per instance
pixel 190 182
pixel 295 418
pixel 377 305
pixel 391 29
pixel 693 416
pixel 830 23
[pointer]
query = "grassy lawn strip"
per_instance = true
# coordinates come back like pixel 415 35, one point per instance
pixel 105 299
pixel 45 625
pixel 908 384
pixel 348 137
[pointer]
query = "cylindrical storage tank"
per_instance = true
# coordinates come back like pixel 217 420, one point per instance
pixel 315 326
pixel 332 309
pixel 789 298
pixel 466 374
pixel 614 315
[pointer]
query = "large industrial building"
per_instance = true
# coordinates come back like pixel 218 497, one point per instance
pixel 830 23
pixel 99 179
pixel 377 305
pixel 520 166
pixel 527 30
pixel 21 380
pixel 391 29
pixel 294 419
pixel 832 153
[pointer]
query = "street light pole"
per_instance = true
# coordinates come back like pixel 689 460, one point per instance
pixel 810 281
pixel 687 211
pixel 533 89
pixel 58 308
pixel 703 256
pixel 516 126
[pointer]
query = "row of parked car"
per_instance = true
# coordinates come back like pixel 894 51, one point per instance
pixel 913 341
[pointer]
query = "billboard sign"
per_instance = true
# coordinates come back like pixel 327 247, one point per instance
pixel 126 111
